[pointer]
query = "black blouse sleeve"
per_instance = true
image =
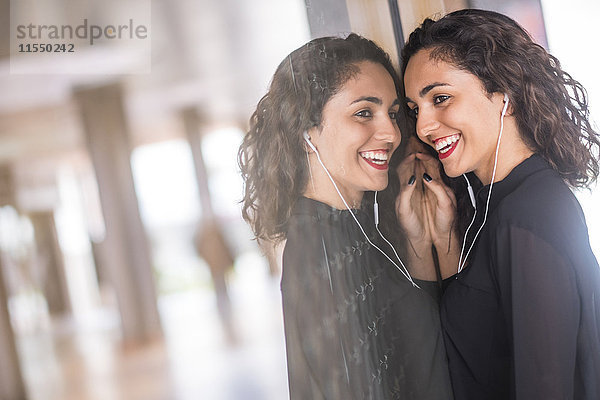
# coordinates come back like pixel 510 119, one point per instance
pixel 317 368
pixel 540 302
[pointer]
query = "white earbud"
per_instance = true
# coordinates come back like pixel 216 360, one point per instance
pixel 506 100
pixel 307 139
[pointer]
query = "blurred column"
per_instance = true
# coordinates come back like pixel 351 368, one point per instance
pixel 210 242
pixel 191 123
pixel 4 28
pixel 125 250
pixel 11 380
pixel 7 186
pixel 54 281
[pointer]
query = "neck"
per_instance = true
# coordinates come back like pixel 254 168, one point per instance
pixel 319 187
pixel 505 166
pixel 332 199
pixel 512 152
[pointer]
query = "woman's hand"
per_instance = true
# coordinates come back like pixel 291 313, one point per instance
pixel 412 215
pixel 441 216
pixel 426 211
pixel 411 204
pixel 440 201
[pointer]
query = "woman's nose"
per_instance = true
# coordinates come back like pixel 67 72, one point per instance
pixel 426 124
pixel 387 130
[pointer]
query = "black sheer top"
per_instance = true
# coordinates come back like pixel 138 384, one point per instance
pixel 522 320
pixel 355 328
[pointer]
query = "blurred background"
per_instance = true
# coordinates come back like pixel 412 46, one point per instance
pixel 126 271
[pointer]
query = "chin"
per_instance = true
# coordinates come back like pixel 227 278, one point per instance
pixel 379 188
pixel 452 172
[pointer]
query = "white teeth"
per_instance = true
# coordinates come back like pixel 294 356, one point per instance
pixel 378 157
pixel 447 141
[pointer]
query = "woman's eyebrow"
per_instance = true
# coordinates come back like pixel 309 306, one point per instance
pixel 375 100
pixel 370 99
pixel 427 89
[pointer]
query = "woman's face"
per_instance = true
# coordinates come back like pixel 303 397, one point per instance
pixel 455 115
pixel 357 136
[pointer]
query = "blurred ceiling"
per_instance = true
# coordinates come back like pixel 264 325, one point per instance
pixel 216 56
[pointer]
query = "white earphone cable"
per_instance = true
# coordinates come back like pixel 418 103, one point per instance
pixel 468 228
pixel 403 271
pixel 462 262
pixel 376 209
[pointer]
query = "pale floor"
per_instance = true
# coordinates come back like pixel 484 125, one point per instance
pixel 85 360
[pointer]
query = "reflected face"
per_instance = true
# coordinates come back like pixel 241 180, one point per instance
pixel 455 115
pixel 357 135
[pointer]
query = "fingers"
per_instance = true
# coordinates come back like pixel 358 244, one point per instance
pixel 445 198
pixel 409 210
pixel 403 201
pixel 431 167
pixel 430 164
pixel 425 157
pixel 406 169
pixel 450 194
pixel 441 209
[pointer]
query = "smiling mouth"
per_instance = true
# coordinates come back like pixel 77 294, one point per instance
pixel 377 159
pixel 446 145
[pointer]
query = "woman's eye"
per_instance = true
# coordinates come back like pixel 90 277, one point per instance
pixel 440 99
pixel 393 115
pixel 364 114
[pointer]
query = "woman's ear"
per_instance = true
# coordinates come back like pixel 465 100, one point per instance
pixel 510 110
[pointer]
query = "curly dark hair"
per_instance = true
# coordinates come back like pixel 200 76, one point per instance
pixel 272 156
pixel 550 107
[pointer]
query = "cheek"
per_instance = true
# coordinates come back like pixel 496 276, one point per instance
pixel 325 139
pixel 478 121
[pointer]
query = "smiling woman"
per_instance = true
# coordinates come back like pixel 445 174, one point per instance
pixel 357 325
pixel 356 137
pixel 520 317
pixel 459 119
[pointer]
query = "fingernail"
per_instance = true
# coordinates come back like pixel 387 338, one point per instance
pixel 411 180
pixel 427 177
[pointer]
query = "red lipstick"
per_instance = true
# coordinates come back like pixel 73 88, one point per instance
pixel 376 166
pixel 446 154
pixel 377 159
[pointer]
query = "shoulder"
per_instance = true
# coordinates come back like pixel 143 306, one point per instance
pixel 312 233
pixel 303 238
pixel 541 193
pixel 545 206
